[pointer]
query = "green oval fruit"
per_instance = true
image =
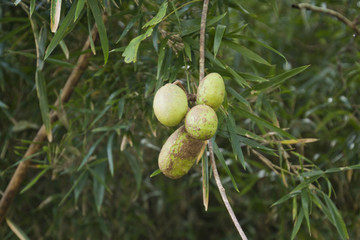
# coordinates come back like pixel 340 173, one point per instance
pixel 211 91
pixel 179 153
pixel 201 122
pixel 170 105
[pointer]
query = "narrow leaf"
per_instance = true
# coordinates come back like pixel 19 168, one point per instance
pixel 297 224
pixel 43 102
pixel 109 154
pixel 65 49
pixel 130 53
pixel 336 217
pixel 237 96
pixel 66 23
pixel 155 173
pixel 263 122
pixel 205 180
pixel 79 7
pixel 222 162
pixel 17 230
pixel 32 183
pixel 234 140
pixel 98 185
pixel 159 16
pixel 32 6
pixel 246 52
pixel 101 28
pixel 135 167
pixel 128 27
pixel 78 180
pixel 55 10
pixel 305 207
pixel 277 80
pixel 90 152
pixel 219 33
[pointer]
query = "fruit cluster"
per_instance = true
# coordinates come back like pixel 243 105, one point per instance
pixel 187 143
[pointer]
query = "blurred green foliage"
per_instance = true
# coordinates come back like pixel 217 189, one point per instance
pixel 93 180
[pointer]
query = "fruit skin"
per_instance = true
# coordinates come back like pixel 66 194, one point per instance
pixel 211 91
pixel 170 105
pixel 201 122
pixel 179 153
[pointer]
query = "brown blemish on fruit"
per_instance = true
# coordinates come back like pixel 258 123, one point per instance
pixel 179 153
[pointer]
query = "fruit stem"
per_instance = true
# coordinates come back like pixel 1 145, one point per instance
pixel 223 193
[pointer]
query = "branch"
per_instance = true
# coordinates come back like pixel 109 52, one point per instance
pixel 40 137
pixel 223 193
pixel 202 40
pixel 336 14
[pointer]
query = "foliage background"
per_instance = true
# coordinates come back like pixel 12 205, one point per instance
pixel 76 196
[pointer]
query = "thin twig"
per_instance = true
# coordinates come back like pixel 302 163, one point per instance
pixel 331 12
pixel 202 40
pixel 223 193
pixel 212 158
pixel 40 137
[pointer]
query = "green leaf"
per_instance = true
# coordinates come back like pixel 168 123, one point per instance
pixel 193 25
pixel 32 6
pixel 129 26
pixel 55 11
pixel 223 164
pixel 335 216
pixel 3 105
pixel 110 128
pixel 79 7
pixel 121 107
pixel 98 185
pixel 74 185
pixel 234 140
pixel 263 122
pixel 65 49
pixel 130 53
pixel 90 24
pixel 32 183
pixel 135 166
pixel 305 206
pixel 80 186
pixel 17 2
pixel 205 180
pixel 101 28
pixel 17 230
pixel 109 153
pixel 43 102
pixel 219 33
pixel 159 16
pixel 237 96
pixel 66 23
pixel 90 152
pixel 240 80
pixel 296 190
pixel 297 224
pixel 15 31
pixel 246 52
pixel 161 56
pixel 155 173
pixel 277 80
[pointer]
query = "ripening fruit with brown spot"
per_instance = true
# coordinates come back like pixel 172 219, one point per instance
pixel 211 91
pixel 201 122
pixel 170 105
pixel 179 153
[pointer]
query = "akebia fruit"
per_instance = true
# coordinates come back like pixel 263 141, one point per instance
pixel 170 105
pixel 179 153
pixel 201 122
pixel 211 91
